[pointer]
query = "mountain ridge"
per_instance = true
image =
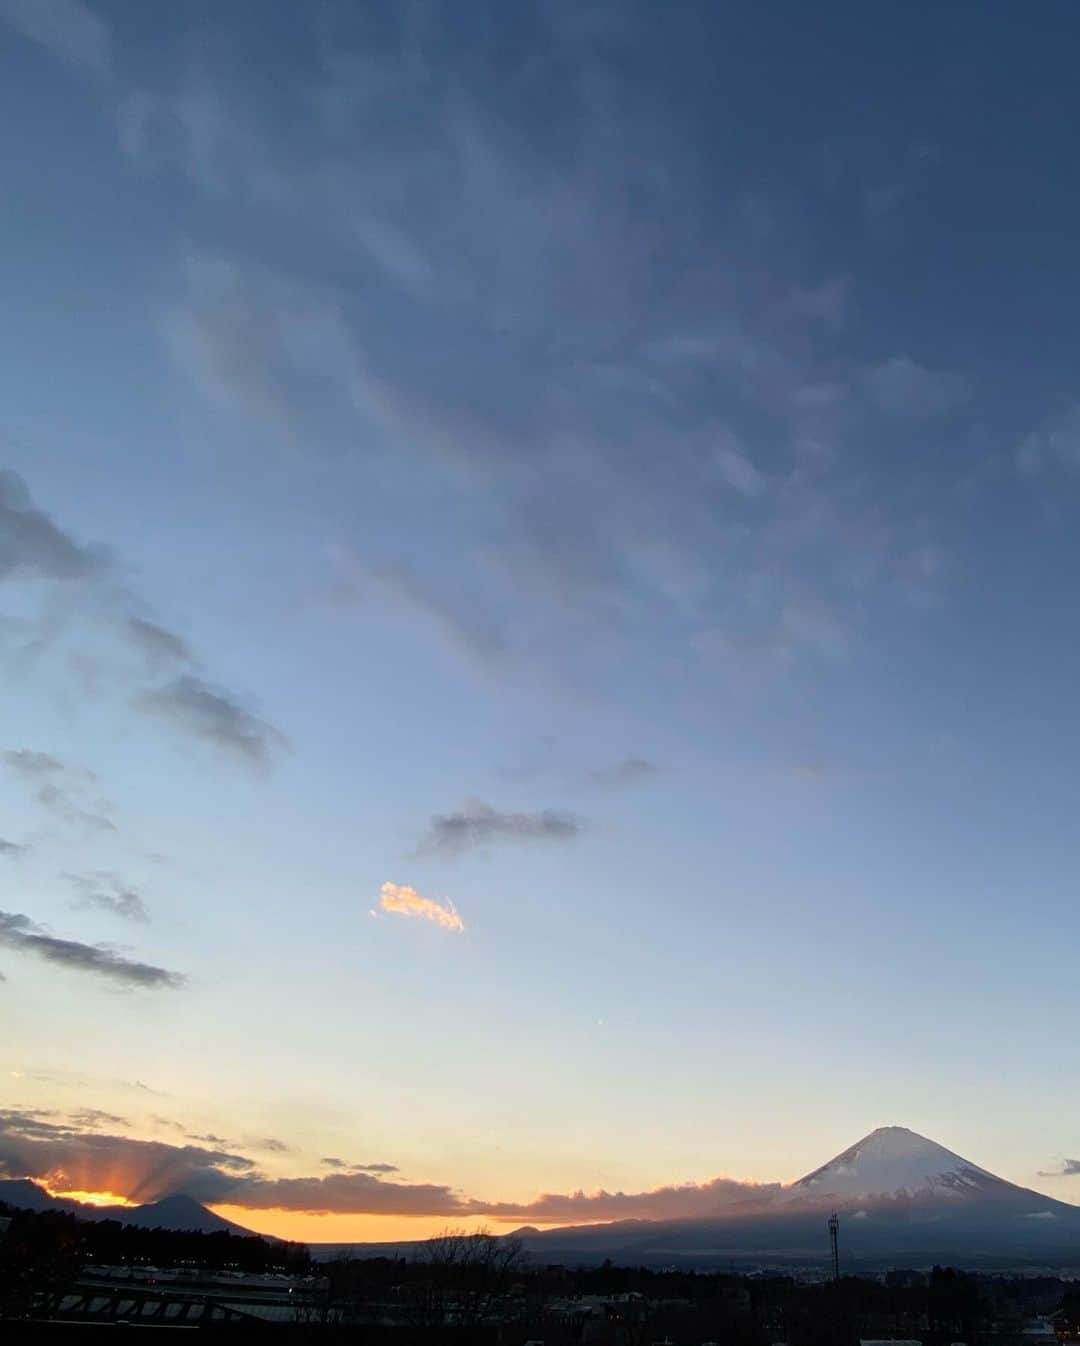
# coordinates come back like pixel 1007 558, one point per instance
pixel 902 1198
pixel 178 1211
pixel 899 1194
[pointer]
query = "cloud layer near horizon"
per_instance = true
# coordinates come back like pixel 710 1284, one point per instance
pixel 72 1153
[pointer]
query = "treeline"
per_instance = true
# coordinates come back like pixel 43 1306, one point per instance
pixel 465 1282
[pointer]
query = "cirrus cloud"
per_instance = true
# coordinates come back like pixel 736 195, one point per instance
pixel 35 548
pixel 109 893
pixel 215 716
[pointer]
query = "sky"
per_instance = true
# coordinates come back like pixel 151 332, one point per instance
pixel 537 564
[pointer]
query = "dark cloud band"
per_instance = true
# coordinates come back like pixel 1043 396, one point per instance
pixel 18 932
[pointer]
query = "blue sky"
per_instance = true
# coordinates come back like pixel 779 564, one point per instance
pixel 614 474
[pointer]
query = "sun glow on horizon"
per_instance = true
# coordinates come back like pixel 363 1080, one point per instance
pixel 309 1227
pixel 90 1198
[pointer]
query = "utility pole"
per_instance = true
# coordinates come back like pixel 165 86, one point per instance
pixel 834 1239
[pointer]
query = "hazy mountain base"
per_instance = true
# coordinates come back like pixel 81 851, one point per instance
pixel 903 1200
pixel 875 1243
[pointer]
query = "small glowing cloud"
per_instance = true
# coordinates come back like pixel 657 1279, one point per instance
pixel 405 901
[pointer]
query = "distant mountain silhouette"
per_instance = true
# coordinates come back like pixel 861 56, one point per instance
pixel 179 1212
pixel 27 1195
pixel 899 1196
pixel 902 1200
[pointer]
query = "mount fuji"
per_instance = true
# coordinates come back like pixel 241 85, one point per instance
pixel 902 1199
pixel 893 1164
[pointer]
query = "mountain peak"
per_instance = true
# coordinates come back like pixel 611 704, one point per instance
pixel 897 1163
pixel 180 1211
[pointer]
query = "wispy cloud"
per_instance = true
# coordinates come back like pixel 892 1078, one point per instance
pixel 32 544
pixel 157 643
pixel 456 622
pixel 499 269
pixel 20 933
pixel 34 547
pixel 626 772
pixel 1055 443
pixel 401 900
pixel 92 1118
pixel 11 848
pixel 1070 1168
pixel 904 388
pixel 108 893
pixel 255 340
pixel 66 790
pixel 617 489
pixel 271 1144
pixel 828 302
pixel 734 467
pixel 478 824
pixel 215 716
pixel 332 1162
pixel 69 29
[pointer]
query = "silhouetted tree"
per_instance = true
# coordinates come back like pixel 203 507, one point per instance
pixel 465 1275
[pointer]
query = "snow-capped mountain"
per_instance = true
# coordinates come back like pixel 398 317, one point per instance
pixel 895 1164
pixel 902 1200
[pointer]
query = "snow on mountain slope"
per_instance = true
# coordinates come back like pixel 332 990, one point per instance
pixel 893 1163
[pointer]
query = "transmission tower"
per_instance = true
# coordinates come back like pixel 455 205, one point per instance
pixel 834 1239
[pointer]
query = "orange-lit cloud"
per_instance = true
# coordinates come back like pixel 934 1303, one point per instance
pixel 88 1198
pixel 684 1201
pixel 405 901
pixel 366 1194
pixel 67 1156
pixel 349 1194
pixel 72 1159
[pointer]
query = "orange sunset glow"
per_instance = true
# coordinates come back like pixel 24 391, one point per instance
pixel 307 1227
pixel 89 1198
